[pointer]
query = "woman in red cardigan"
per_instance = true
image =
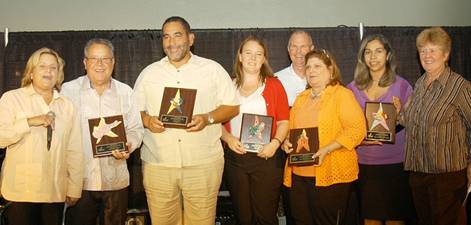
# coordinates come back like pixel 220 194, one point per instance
pixel 254 178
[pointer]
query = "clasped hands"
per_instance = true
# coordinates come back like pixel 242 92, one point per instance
pixel 321 153
pixel 198 122
pixel 266 152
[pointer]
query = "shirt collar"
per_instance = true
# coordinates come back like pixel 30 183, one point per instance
pixel 190 61
pixel 29 90
pixel 86 84
pixel 444 76
pixel 326 93
pixel 294 72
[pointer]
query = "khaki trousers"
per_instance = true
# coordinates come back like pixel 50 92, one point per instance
pixel 189 191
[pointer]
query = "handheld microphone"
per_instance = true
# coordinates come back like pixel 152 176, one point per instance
pixel 52 115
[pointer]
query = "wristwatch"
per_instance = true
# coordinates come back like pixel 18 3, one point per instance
pixel 210 119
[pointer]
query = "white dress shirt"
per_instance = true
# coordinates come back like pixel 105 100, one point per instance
pixel 292 82
pixel 105 173
pixel 177 147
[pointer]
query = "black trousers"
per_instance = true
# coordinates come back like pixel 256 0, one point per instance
pixel 107 207
pixel 438 197
pixel 254 184
pixel 26 213
pixel 285 196
pixel 311 205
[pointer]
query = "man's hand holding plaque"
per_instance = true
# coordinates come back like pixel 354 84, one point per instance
pixel 152 123
pixel 255 131
pixel 302 144
pixel 381 122
pixel 176 109
pixel 107 135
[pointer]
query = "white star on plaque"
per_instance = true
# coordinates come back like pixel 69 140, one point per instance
pixel 104 129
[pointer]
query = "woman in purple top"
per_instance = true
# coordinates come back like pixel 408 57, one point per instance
pixel 383 184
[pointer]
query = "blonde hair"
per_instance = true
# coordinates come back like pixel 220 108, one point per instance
pixel 265 71
pixel 329 61
pixel 436 36
pixel 33 61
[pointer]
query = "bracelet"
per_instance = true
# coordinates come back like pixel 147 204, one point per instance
pixel 278 140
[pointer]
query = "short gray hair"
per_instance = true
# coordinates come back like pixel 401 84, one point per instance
pixel 100 41
pixel 296 32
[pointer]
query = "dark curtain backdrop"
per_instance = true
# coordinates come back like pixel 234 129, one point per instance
pixel 403 42
pixel 2 51
pixel 137 49
pixel 134 50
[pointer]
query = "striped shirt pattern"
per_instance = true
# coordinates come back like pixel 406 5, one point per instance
pixel 436 124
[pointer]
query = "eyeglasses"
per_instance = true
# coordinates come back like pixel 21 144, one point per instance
pixel 424 51
pixel 102 60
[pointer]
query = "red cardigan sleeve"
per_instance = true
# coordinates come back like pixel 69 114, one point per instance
pixel 276 101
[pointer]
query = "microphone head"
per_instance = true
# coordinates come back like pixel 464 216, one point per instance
pixel 51 114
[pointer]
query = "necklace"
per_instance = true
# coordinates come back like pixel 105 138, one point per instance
pixel 315 95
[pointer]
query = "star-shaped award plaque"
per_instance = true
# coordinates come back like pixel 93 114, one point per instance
pixel 379 118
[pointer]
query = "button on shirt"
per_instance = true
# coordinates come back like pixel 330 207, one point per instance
pixel 105 173
pixel 292 83
pixel 176 147
pixel 436 122
pixel 30 172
